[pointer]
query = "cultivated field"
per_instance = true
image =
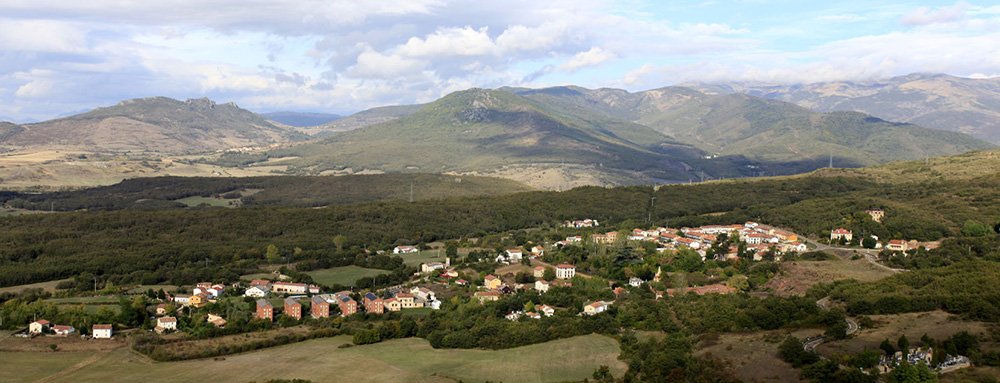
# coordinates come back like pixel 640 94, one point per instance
pixel 345 276
pixel 425 256
pixel 49 286
pixel 402 360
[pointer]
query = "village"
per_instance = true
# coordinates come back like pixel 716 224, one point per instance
pixel 512 270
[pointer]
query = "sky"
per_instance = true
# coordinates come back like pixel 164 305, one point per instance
pixel 61 57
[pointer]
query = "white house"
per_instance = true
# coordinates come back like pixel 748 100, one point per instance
pixel 166 323
pixel 546 310
pixel 63 330
pixel 405 250
pixel 423 293
pixel 102 331
pixel 38 326
pixel 258 291
pixel 840 232
pixel 565 271
pixel 596 308
pixel 537 251
pixel 542 286
pixel 635 282
pixel 431 267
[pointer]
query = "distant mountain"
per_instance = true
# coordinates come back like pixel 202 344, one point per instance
pixel 8 129
pixel 155 125
pixel 935 101
pixel 301 119
pixel 763 130
pixel 667 134
pixel 480 130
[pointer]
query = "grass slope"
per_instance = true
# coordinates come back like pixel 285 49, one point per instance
pixel 344 276
pixel 403 360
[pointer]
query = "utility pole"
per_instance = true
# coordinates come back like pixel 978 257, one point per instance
pixel 411 191
pixel 649 216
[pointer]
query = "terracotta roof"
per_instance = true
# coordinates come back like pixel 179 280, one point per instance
pixel 42 322
pixel 565 266
pixel 167 319
pixel 102 327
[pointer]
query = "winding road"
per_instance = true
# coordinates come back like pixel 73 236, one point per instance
pixel 870 254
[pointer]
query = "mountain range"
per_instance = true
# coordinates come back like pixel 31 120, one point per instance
pixel 153 125
pixel 558 136
pixel 936 101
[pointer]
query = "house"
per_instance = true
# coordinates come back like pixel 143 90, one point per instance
pixel 542 286
pixel 198 300
pixel 374 304
pixel 392 304
pixel 533 315
pixel 491 282
pixel 513 316
pixel 462 282
pixel 897 245
pixel 265 310
pixel 102 331
pixel 514 254
pixel 258 291
pixel 581 223
pixel 347 305
pixel 63 330
pixel 289 287
pixel 596 308
pixel 841 233
pixel 38 326
pixel 565 271
pixel 216 320
pixel 405 250
pixel 431 267
pixel 635 282
pixel 546 310
pixel 423 293
pixel 407 301
pixel 487 296
pixel 166 324
pixel 537 251
pixel 609 237
pixel 182 299
pixel 876 214
pixel 539 272
pixel 293 308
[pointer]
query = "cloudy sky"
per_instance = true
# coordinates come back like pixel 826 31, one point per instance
pixel 59 57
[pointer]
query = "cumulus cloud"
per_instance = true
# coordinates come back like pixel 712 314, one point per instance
pixel 592 57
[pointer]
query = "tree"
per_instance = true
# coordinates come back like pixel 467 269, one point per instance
pixel 272 253
pixel 904 345
pixel 907 373
pixel 996 228
pixel 549 274
pixel 739 282
pixel 603 374
pixel 53 347
pixel 887 347
pixel 792 352
pixel 868 242
pixel 451 250
pixel 339 240
pixel 973 228
pixel 529 307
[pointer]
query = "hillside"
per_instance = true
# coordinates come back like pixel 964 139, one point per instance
pixel 301 119
pixel 484 130
pixel 175 192
pixel 783 137
pixel 8 129
pixel 364 118
pixel 155 125
pixel 935 101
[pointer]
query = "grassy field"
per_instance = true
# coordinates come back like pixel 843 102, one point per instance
pixel 424 256
pixel 402 360
pixel 936 324
pixel 752 357
pixel 49 286
pixel 797 277
pixel 345 275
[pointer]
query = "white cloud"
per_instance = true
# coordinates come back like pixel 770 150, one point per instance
pixel 589 58
pixel 450 42
pixel 926 16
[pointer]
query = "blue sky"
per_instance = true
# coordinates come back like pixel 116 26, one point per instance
pixel 59 57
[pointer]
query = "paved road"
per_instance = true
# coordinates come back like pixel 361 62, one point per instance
pixel 810 344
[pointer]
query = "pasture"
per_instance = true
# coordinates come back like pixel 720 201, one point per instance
pixel 321 360
pixel 345 276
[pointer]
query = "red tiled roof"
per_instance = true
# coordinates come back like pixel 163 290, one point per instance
pixel 102 327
